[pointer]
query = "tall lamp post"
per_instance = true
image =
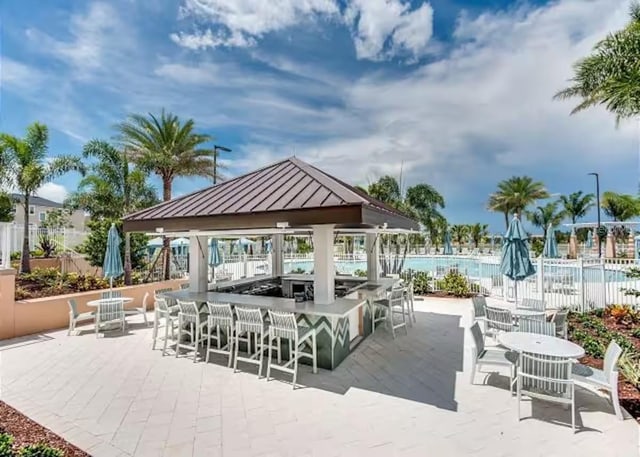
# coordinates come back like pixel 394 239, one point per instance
pixel 598 205
pixel 217 148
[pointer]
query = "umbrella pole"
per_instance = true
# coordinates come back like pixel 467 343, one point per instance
pixel 515 291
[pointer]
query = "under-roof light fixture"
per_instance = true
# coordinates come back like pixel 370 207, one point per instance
pixel 282 225
pixel 159 230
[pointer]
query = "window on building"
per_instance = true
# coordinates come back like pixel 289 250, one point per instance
pixel 32 210
pixel 42 216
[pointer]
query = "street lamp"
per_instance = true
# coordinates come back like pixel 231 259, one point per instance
pixel 598 205
pixel 217 148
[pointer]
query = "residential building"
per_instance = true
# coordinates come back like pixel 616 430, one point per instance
pixel 40 207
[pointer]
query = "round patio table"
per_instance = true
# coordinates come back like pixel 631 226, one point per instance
pixel 124 300
pixel 540 344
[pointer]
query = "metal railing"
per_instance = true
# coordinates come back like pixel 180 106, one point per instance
pixel 64 239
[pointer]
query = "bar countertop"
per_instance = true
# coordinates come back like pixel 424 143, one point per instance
pixel 341 307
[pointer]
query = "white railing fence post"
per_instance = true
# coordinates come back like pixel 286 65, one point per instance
pixel 540 277
pixel 581 284
pixel 603 284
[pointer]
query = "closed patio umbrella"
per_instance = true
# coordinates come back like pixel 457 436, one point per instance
pixel 447 249
pixel 516 264
pixel 550 249
pixel 112 265
pixel 589 243
pixel 215 258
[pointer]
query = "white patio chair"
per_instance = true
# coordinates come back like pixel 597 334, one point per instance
pixel 284 326
pixel 527 325
pixel 136 311
pixel 110 311
pixel 546 378
pixel 388 307
pixel 75 316
pixel 220 318
pixel 605 379
pixel 162 311
pixel 190 323
pixel 531 303
pixel 559 319
pixel 491 356
pixel 250 323
pixel 110 294
pixel 169 301
pixel 498 320
pixel 479 309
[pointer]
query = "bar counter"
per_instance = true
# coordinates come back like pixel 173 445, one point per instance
pixel 340 325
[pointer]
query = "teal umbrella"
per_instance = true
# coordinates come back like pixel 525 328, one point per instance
pixel 447 249
pixel 589 243
pixel 516 264
pixel 550 249
pixel 112 265
pixel 215 258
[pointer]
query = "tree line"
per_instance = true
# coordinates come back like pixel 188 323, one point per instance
pixel 114 175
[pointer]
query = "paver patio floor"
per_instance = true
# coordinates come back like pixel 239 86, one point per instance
pixel 411 396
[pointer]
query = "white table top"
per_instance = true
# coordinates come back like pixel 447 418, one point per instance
pixel 97 302
pixel 540 344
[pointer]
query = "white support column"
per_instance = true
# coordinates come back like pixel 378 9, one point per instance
pixel 198 256
pixel 324 270
pixel 277 255
pixel 372 246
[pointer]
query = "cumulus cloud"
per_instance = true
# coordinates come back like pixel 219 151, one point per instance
pixel 381 29
pixel 386 28
pixel 241 22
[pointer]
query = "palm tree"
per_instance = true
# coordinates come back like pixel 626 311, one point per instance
pixel 620 207
pixel 545 215
pixel 478 232
pixel 427 203
pixel 30 167
pixel 112 190
pixel 459 233
pixel 576 205
pixel 169 148
pixel 610 75
pixel 387 190
pixel 515 194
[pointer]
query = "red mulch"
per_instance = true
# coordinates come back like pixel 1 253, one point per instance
pixel 26 432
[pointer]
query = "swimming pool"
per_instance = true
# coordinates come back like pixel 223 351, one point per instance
pixel 476 268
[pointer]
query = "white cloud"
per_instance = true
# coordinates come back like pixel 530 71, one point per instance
pixel 241 22
pixel 53 191
pixel 386 28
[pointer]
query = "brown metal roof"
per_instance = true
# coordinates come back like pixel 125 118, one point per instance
pixel 288 191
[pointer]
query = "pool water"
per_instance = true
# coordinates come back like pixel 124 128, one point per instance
pixel 470 267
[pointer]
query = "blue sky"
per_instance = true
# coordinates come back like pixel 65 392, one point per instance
pixel 456 93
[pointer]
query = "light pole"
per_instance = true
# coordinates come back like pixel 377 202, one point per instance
pixel 217 148
pixel 598 205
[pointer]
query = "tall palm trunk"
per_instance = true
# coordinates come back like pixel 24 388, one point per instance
pixel 25 264
pixel 127 259
pixel 506 220
pixel 166 246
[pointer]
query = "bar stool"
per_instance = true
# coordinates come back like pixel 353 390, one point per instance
pixel 284 325
pixel 408 296
pixel 220 317
pixel 190 323
pixel 162 311
pixel 393 304
pixel 249 322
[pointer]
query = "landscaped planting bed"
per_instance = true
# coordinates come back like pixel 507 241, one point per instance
pixel 20 436
pixel 594 330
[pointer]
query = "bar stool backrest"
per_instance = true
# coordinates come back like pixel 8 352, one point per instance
pixel 499 319
pixel 220 314
pixel 161 304
pixel 73 307
pixel 110 310
pixel 396 296
pixel 611 357
pixel 189 311
pixel 249 320
pixel 536 326
pixel 479 305
pixel 158 292
pixel 283 325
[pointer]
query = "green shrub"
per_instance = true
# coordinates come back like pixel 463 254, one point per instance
pixel 298 271
pixel 421 281
pixel 636 332
pixel 455 284
pixel 6 445
pixel 593 347
pixel 16 255
pixel 629 365
pixel 360 273
pixel 40 450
